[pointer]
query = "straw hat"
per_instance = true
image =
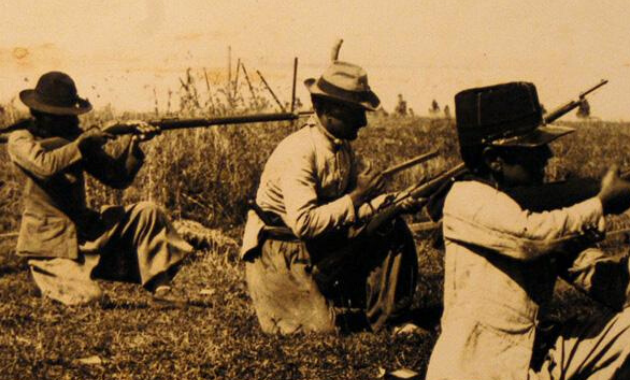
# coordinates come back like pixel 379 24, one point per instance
pixel 346 83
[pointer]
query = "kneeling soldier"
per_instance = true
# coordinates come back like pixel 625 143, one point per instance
pixel 68 244
pixel 309 198
pixel 502 261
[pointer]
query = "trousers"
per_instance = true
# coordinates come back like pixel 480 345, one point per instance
pixel 379 281
pixel 135 243
pixel 596 348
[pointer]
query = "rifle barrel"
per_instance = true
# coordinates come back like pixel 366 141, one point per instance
pixel 427 188
pixel 242 119
pixel 409 163
pixel 173 124
pixel 600 84
pixel 570 106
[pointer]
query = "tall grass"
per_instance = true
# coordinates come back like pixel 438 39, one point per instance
pixel 208 174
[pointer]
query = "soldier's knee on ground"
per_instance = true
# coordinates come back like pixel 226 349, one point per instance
pixel 74 289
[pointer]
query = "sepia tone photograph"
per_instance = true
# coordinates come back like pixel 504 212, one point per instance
pixel 314 190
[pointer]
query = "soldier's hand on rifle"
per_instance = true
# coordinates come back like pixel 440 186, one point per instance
pixel 614 193
pixel 412 205
pixel 92 139
pixel 140 130
pixel 407 203
pixel 144 130
pixel 369 184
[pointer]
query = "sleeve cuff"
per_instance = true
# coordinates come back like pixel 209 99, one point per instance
pixel 350 214
pixel 593 212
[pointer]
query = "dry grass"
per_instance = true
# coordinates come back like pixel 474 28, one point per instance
pixel 206 175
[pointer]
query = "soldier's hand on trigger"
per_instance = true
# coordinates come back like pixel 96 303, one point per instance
pixel 614 193
pixel 369 184
pixel 144 131
pixel 92 139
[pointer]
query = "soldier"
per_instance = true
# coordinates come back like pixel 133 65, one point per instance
pixel 401 106
pixel 310 197
pixel 502 261
pixel 67 244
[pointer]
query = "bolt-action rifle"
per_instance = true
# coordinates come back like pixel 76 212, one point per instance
pixel 174 124
pixel 327 269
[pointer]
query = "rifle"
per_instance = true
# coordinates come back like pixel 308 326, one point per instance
pixel 327 269
pixel 421 191
pixel 174 124
pixel 571 105
pixel 409 163
pixel 20 124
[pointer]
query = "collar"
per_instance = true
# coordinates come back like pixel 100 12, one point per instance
pixel 336 142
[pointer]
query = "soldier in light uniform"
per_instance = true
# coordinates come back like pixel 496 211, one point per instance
pixel 502 261
pixel 69 245
pixel 310 197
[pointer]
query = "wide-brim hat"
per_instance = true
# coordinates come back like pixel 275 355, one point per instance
pixel 346 83
pixel 507 114
pixel 55 94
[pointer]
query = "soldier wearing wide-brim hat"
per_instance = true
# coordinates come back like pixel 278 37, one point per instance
pixel 345 83
pixel 309 198
pixel 55 94
pixel 67 244
pixel 502 261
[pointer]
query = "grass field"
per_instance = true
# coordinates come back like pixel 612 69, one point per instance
pixel 206 175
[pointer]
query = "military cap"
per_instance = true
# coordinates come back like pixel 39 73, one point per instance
pixel 507 114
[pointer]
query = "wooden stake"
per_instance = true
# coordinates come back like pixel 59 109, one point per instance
pixel 295 66
pixel 271 91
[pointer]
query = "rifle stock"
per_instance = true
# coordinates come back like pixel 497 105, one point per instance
pixel 20 124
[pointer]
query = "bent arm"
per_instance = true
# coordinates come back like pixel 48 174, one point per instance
pixel 116 167
pixel 479 215
pixel 29 154
pixel 307 216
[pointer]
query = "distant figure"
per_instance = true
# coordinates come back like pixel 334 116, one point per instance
pixel 447 111
pixel 411 113
pixel 434 111
pixel 401 107
pixel 584 110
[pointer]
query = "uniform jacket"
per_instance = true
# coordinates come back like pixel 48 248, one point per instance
pixel 55 216
pixel 501 265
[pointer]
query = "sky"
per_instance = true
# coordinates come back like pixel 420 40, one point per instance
pixel 125 53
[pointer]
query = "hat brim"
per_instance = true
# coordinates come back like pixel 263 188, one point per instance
pixel 370 103
pixel 32 100
pixel 537 137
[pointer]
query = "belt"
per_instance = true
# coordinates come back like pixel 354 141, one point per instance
pixel 275 227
